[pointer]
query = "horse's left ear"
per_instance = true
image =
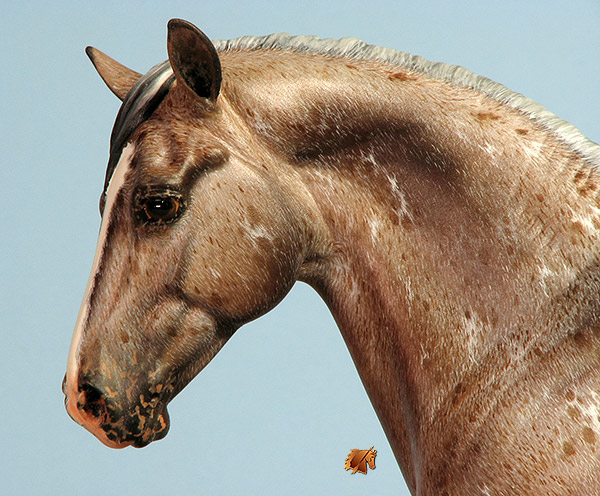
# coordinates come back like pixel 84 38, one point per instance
pixel 194 59
pixel 117 77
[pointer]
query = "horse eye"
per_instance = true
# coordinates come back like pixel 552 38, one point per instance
pixel 157 205
pixel 160 208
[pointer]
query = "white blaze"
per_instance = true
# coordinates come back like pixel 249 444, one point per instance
pixel 114 186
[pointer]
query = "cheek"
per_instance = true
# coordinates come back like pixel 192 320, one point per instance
pixel 242 271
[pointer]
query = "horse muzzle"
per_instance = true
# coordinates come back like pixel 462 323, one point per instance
pixel 115 420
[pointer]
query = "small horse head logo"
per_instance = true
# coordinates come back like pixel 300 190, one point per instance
pixel 357 460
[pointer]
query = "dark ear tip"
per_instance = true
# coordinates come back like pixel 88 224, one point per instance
pixel 180 23
pixel 173 23
pixel 90 52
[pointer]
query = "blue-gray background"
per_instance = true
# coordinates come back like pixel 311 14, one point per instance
pixel 281 405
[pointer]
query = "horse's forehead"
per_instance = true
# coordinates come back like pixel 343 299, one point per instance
pixel 169 144
pixel 139 104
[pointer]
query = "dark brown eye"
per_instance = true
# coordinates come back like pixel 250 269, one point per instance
pixel 157 205
pixel 160 208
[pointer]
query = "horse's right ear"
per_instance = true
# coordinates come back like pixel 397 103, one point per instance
pixel 117 77
pixel 194 59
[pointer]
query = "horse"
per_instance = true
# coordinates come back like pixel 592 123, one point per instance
pixel 450 225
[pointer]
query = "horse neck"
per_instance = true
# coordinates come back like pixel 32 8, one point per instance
pixel 457 250
pixel 451 291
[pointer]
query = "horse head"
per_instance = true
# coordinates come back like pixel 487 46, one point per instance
pixel 194 242
pixel 371 459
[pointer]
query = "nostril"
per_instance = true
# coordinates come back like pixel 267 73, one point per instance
pixel 92 394
pixel 92 400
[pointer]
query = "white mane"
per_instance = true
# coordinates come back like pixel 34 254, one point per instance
pixel 453 74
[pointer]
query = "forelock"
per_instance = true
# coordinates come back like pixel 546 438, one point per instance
pixel 139 104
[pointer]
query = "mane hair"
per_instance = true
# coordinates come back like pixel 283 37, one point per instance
pixel 458 76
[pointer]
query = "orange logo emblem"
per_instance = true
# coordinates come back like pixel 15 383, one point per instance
pixel 357 460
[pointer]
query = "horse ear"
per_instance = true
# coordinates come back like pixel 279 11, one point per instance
pixel 117 77
pixel 194 59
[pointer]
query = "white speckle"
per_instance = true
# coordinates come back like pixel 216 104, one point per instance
pixel 562 275
pixel 409 291
pixel 533 149
pixel 545 274
pixel 485 490
pixel 473 330
pixel 402 209
pixel 256 231
pixel 586 221
pixel 424 354
pixel 375 226
pixel 590 407
pixel 214 273
pixel 371 158
pixel 394 184
pixel 489 149
pixel 594 211
pixel 353 292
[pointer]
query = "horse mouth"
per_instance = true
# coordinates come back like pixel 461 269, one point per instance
pixel 113 425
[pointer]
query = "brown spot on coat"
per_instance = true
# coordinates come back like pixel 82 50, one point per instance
pixel 580 175
pixel 458 394
pixel 589 436
pixel 574 412
pixel 569 448
pixel 589 187
pixel 483 116
pixel 401 76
